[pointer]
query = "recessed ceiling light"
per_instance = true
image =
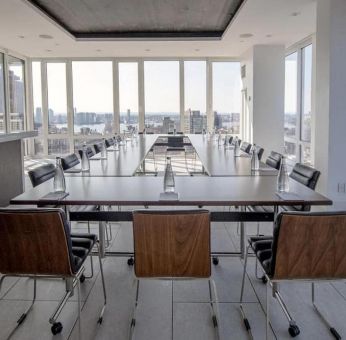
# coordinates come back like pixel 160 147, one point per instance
pixel 45 36
pixel 241 41
pixel 268 35
pixel 21 36
pixel 147 50
pixel 197 49
pixel 48 50
pixel 295 14
pixel 98 50
pixel 57 44
pixel 246 35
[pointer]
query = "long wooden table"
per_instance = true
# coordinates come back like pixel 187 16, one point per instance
pixel 198 191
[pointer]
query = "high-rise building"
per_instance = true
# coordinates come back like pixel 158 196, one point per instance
pixel 217 120
pixel 128 119
pixel 194 122
pixel 168 125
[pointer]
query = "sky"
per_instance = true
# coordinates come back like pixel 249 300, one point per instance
pixel 92 86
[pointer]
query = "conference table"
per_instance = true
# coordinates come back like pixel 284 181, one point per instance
pixel 237 187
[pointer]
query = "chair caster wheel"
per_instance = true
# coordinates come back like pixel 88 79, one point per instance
pixel 131 261
pixel 56 328
pixel 293 330
pixel 99 321
pixel 214 318
pixel 264 279
pixel 82 278
pixel 215 261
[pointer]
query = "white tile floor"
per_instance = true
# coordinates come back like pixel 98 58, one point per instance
pixel 169 310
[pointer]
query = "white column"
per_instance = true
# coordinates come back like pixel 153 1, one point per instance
pixel 265 85
pixel 330 98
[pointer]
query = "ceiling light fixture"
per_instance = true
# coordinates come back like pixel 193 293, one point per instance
pixel 48 50
pixel 197 49
pixel 45 36
pixel 246 35
pixel 98 50
pixel 21 36
pixel 295 14
pixel 268 35
pixel 147 50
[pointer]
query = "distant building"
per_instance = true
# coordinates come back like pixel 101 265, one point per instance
pixel 16 122
pixel 128 119
pixel 168 125
pixel 217 121
pixel 194 122
pixel 85 118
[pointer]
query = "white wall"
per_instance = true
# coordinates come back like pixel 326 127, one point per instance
pixel 265 81
pixel 330 124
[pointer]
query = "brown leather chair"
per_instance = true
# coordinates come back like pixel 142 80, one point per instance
pixel 36 243
pixel 175 245
pixel 306 246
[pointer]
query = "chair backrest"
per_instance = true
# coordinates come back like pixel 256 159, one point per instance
pixel 109 142
pixel 35 242
pixel 41 174
pixel 172 243
pixel 309 246
pixel 274 160
pixel 90 152
pixel 259 152
pixel 305 175
pixel 230 141
pixel 98 147
pixel 175 142
pixel 69 161
pixel 246 147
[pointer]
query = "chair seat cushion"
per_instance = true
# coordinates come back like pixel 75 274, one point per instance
pixel 262 247
pixel 82 245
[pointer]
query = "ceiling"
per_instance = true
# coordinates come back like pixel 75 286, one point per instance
pixel 102 19
pixel 257 22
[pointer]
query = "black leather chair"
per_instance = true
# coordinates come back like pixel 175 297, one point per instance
pixel 305 247
pixel 98 148
pixel 259 152
pixel 230 141
pixel 274 160
pixel 36 243
pixel 41 174
pixel 69 161
pixel 246 147
pixel 90 152
pixel 109 142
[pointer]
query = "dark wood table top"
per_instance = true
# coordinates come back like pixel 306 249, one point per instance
pixel 220 161
pixel 199 190
pixel 119 163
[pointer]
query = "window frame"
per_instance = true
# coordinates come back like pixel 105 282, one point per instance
pixel 297 139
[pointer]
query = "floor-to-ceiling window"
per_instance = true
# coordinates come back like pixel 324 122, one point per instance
pixel 84 100
pixel 162 98
pixel 128 96
pixel 226 91
pixel 16 98
pixel 2 96
pixel 93 97
pixel 195 93
pixel 298 83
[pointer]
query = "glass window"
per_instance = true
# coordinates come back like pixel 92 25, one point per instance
pixel 227 96
pixel 306 93
pixel 16 94
pixel 58 147
pixel 290 151
pixel 306 154
pixel 93 97
pixel 2 96
pixel 162 112
pixel 291 88
pixel 195 87
pixel 57 100
pixel 128 96
pixel 37 95
pixel 38 147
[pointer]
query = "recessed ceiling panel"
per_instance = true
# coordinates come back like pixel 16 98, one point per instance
pixel 126 19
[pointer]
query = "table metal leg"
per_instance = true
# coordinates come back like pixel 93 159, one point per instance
pixel 102 226
pixel 242 235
